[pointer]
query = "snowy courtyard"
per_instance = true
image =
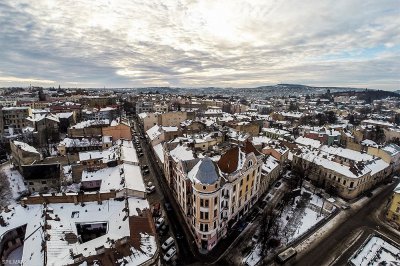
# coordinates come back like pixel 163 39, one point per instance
pixel 16 184
pixel 296 219
pixel 376 251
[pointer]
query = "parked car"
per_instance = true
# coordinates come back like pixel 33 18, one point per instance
pixel 168 206
pixel 150 189
pixel 170 254
pixel 160 222
pixel 145 167
pixel 168 243
pixel 140 154
pixel 163 229
pixel 345 207
pixel 146 171
pixel 278 184
pixel 255 238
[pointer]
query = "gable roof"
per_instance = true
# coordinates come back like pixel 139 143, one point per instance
pixel 229 161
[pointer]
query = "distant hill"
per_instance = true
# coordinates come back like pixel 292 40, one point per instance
pixel 369 95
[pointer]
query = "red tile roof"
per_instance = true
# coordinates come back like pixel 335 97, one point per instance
pixel 228 163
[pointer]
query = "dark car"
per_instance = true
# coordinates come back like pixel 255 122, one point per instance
pixel 146 171
pixel 278 184
pixel 163 230
pixel 168 206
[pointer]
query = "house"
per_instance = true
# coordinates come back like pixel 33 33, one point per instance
pixel 344 172
pixel 23 154
pixel 213 195
pixel 393 212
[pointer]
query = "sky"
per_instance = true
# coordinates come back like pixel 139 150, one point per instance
pixel 189 43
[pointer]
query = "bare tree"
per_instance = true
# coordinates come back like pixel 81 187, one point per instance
pixel 5 192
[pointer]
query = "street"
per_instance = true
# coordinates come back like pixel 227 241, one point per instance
pixel 334 248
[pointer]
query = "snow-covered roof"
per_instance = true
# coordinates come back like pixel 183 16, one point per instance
pixel 84 142
pixel 258 140
pixel 133 177
pixel 375 251
pixel 110 178
pixel 308 142
pixel 160 152
pixel 270 164
pixel 378 122
pixel 107 155
pixel 276 131
pixel 128 153
pixel 25 147
pixel 181 153
pixel 346 153
pixel 157 130
pixel 64 115
pixel 89 123
pixel 369 143
pixel 392 149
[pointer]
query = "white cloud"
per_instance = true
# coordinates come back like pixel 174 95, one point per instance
pixel 201 43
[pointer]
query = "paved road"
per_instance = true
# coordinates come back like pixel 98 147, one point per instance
pixel 339 245
pixel 176 225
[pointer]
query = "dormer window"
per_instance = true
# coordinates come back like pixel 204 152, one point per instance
pixel 250 164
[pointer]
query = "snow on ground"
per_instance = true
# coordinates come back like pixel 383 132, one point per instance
pixel 67 169
pixel 376 251
pixel 74 187
pixel 16 181
pixel 254 257
pixel 296 219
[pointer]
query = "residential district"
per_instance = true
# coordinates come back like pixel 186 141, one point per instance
pixel 113 177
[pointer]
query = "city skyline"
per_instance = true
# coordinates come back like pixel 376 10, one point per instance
pixel 200 43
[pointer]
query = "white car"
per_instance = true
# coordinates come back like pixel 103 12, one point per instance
pixel 170 254
pixel 160 222
pixel 150 190
pixel 168 243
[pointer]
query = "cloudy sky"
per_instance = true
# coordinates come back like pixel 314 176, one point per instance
pixel 129 43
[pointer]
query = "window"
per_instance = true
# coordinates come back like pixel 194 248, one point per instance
pixel 247 178
pixel 204 187
pixel 206 203
pixel 241 182
pixel 215 201
pixel 201 203
pixel 234 188
pixel 215 213
pixel 206 228
pixel 201 215
pixel 247 188
pixel 240 194
pixel 206 215
pixel 215 224
pixel 351 184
